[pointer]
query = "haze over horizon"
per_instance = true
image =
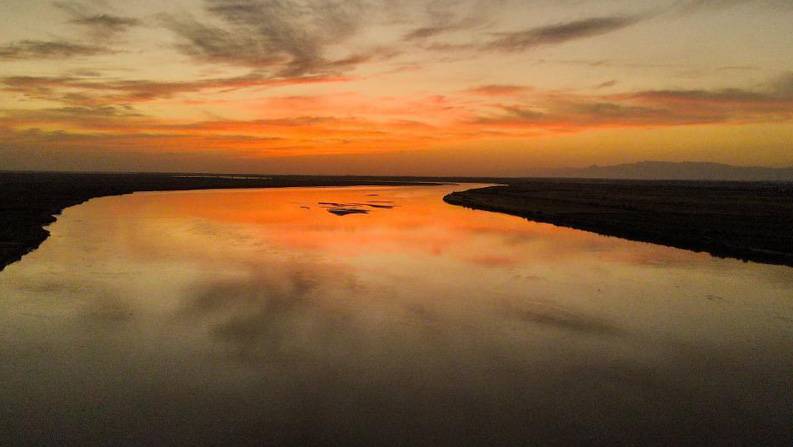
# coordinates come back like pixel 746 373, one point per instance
pixel 489 88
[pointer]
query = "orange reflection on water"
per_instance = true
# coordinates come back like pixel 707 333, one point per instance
pixel 297 219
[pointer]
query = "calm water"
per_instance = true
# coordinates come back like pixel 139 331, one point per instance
pixel 259 317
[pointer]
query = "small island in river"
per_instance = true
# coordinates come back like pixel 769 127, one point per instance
pixel 751 221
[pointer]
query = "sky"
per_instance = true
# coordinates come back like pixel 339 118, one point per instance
pixel 393 87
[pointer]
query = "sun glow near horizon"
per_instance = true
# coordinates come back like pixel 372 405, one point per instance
pixel 385 87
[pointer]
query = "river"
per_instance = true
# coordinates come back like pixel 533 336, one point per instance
pixel 260 317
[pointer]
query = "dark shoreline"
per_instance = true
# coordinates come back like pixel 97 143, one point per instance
pixel 750 221
pixel 29 201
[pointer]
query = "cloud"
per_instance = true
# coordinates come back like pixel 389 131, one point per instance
pixel 288 38
pixel 123 139
pixel 559 33
pixel 498 90
pixel 78 90
pixel 692 6
pixel 576 115
pixel 372 55
pixel 777 96
pixel 106 21
pixel 99 25
pixel 597 112
pixel 105 25
pixel 606 84
pixel 730 95
pixel 515 116
pixel 291 38
pixel 445 16
pixel 648 108
pixel 48 49
pixel 98 117
pixel 428 31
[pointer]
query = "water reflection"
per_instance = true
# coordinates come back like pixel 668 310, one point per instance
pixel 258 317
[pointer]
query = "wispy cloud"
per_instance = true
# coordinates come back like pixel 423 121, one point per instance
pixel 648 108
pixel 443 27
pixel 105 25
pixel 76 90
pixel 48 49
pixel 97 24
pixel 99 27
pixel 498 90
pixel 777 95
pixel 559 33
pixel 106 21
pixel 289 38
pixel 689 6
pixel 442 17
pixel 605 84
pixel 517 41
pixel 430 31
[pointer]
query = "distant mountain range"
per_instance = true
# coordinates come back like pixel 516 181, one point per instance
pixel 661 170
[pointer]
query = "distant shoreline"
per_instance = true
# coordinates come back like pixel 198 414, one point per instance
pixel 29 201
pixel 742 220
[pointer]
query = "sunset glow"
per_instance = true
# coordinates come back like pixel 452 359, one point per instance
pixel 393 87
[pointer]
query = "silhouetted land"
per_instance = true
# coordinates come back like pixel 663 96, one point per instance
pixel 30 201
pixel 689 170
pixel 745 220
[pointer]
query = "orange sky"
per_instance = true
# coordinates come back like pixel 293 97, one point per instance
pixel 393 87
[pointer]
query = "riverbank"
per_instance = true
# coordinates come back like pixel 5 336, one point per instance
pixel 31 201
pixel 751 221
